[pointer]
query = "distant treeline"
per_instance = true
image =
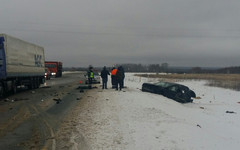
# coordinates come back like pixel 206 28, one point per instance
pixel 163 68
pixel 128 68
pixel 226 70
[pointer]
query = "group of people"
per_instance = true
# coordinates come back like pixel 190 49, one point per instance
pixel 117 76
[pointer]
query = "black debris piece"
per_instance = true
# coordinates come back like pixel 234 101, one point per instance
pixel 84 87
pixel 46 87
pixel 231 112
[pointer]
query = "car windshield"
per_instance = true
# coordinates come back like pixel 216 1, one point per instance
pixel 163 84
pixel 51 65
pixel 96 73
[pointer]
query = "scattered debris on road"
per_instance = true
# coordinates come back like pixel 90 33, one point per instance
pixel 46 87
pixel 58 100
pixel 84 87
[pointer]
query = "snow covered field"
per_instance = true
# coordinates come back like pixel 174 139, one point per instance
pixel 136 120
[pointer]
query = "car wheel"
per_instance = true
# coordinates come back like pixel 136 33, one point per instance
pixel 182 98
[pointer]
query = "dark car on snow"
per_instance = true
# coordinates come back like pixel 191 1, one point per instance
pixel 177 92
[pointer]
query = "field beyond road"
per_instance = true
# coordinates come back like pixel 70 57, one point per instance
pixel 228 81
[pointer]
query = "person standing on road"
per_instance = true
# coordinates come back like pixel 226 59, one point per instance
pixel 123 74
pixel 119 78
pixel 90 75
pixel 113 76
pixel 104 75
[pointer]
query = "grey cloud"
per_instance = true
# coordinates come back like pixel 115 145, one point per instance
pixel 79 33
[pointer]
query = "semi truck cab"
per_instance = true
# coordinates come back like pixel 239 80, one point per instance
pixel 55 68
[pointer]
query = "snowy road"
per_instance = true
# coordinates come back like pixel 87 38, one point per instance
pixel 31 118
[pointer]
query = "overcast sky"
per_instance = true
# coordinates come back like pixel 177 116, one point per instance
pixel 204 33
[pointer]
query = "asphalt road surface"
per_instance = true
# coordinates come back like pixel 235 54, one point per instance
pixel 30 119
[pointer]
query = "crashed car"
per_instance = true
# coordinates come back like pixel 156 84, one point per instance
pixel 96 79
pixel 177 92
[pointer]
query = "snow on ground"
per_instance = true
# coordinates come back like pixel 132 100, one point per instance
pixel 132 119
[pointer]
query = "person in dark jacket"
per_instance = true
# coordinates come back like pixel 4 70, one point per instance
pixel 119 78
pixel 104 75
pixel 123 74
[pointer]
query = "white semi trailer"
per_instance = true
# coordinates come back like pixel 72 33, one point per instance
pixel 21 64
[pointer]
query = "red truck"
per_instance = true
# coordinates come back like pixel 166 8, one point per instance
pixel 55 68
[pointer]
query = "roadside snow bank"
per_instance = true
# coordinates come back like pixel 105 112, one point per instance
pixel 132 119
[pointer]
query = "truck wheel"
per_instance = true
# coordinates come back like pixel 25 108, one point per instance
pixel 1 90
pixel 31 85
pixel 14 87
pixel 37 83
